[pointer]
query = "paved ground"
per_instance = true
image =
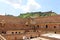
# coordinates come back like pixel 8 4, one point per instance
pixel 44 38
pixel 39 38
pixel 48 36
pixel 52 35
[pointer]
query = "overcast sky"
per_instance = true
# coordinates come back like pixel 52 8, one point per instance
pixel 15 7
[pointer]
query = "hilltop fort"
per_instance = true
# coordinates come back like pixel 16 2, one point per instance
pixel 14 28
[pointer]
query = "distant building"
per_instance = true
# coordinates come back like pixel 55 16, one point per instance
pixel 13 28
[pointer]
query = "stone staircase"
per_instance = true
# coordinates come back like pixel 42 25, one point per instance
pixel 2 38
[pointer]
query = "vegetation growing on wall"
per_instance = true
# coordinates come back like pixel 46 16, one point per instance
pixel 37 14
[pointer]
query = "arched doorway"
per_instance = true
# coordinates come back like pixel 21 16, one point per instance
pixel 55 32
pixel 46 26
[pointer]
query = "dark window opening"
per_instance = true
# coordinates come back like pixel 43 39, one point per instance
pixel 27 31
pixel 19 32
pixel 26 25
pixel 55 32
pixel 4 32
pixel 46 26
pixel 38 26
pixel 54 26
pixel 12 32
pixel 31 37
pixel 16 32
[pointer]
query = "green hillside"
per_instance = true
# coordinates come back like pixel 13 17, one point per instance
pixel 37 14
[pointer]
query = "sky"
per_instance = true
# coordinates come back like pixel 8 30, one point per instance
pixel 17 7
